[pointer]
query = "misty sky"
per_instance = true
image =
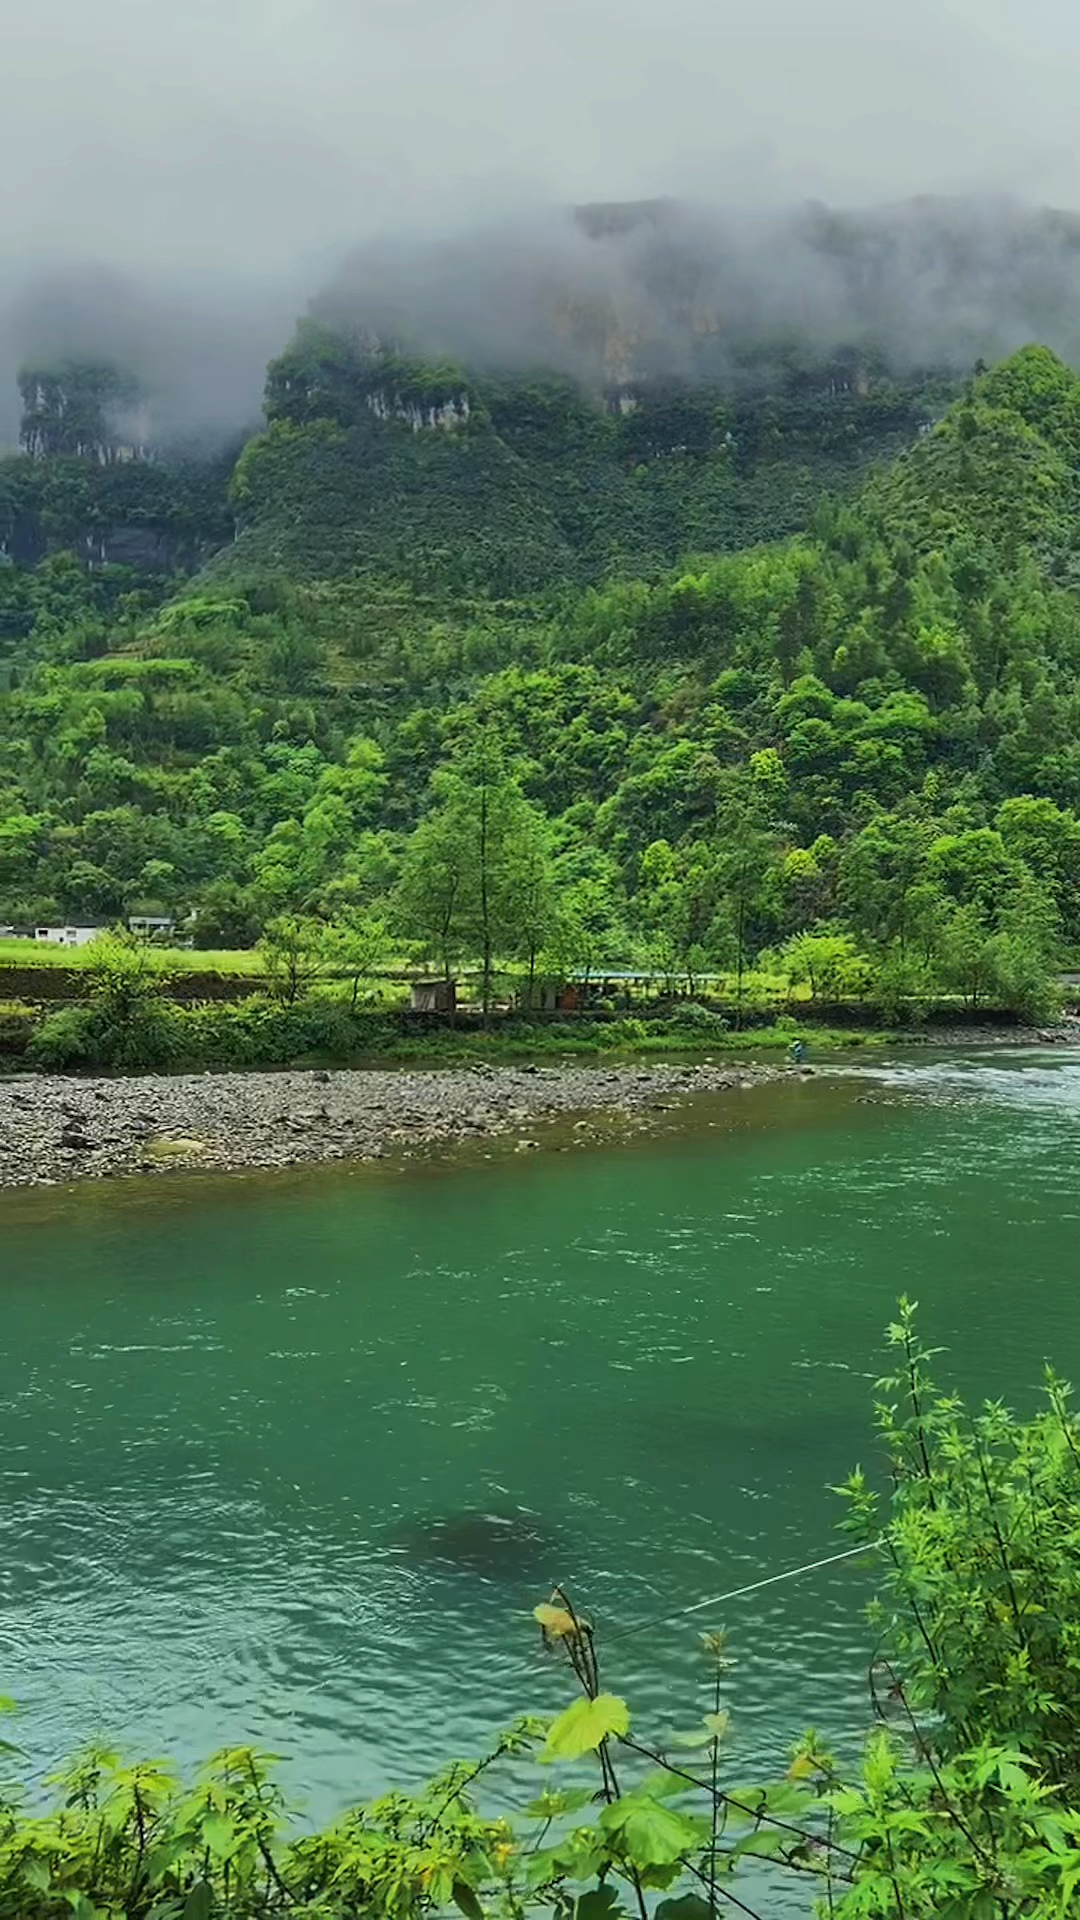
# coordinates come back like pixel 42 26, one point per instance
pixel 245 134
pixel 224 154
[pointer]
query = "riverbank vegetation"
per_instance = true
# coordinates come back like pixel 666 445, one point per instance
pixel 962 1804
pixel 126 1018
pixel 851 752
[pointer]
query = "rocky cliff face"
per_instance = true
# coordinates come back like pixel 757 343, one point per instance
pixel 421 416
pixel 89 481
pixel 83 410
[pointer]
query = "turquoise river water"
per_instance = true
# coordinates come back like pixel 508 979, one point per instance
pixel 240 1420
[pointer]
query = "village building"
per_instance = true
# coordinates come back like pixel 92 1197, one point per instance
pixel 79 934
pixel 433 996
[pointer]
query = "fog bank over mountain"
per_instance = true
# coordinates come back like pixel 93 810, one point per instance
pixel 608 293
pixel 664 287
pixel 179 182
pixel 201 364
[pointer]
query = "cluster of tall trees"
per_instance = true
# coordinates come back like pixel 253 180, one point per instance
pixel 903 909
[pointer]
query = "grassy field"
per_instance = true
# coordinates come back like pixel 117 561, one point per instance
pixel 29 953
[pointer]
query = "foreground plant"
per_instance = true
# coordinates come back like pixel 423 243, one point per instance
pixel 134 1842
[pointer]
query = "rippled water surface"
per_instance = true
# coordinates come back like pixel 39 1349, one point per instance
pixel 238 1418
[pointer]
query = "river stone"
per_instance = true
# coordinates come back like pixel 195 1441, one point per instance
pixel 179 1148
pixel 495 1546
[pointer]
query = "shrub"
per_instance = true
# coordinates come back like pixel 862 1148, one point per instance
pixel 62 1041
pixel 262 1031
pixel 127 1026
pixel 692 1017
pixel 830 963
pixel 16 1028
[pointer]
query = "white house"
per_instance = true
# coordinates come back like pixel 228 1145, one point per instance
pixel 66 936
pixel 151 926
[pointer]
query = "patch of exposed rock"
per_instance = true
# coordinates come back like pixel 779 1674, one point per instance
pixel 55 1129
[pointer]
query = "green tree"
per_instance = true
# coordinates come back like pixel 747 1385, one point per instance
pixel 1046 838
pixel 353 947
pixel 886 885
pixel 589 928
pixel 433 891
pixel 478 868
pixel 1007 959
pixel 677 902
pixel 830 962
pixel 534 906
pixel 966 955
pixel 229 915
pixel 293 951
pixel 744 852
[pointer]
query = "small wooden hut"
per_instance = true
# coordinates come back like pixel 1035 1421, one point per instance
pixel 433 996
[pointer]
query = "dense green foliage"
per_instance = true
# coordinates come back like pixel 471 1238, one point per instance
pixel 868 734
pixel 144 520
pixel 961 1807
pixel 507 485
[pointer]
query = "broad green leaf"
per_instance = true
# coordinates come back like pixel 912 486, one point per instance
pixel 584 1726
pixel 466 1901
pixel 663 1785
pixel 81 1907
pixel 599 1903
pixel 219 1834
pixel 660 1877
pixel 649 1833
pixel 545 1865
pixel 1012 1773
pixel 845 1801
pixel 713 1727
pixel 765 1841
pixel 782 1797
pixel 582 1856
pixel 689 1906
pixel 199 1904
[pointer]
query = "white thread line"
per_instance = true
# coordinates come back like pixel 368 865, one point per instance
pixel 736 1593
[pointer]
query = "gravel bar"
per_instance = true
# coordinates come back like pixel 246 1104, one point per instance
pixel 55 1129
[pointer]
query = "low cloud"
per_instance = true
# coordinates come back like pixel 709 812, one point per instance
pixel 215 163
pixel 675 288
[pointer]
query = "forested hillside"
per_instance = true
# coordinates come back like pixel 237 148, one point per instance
pixel 446 598
pixel 511 484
